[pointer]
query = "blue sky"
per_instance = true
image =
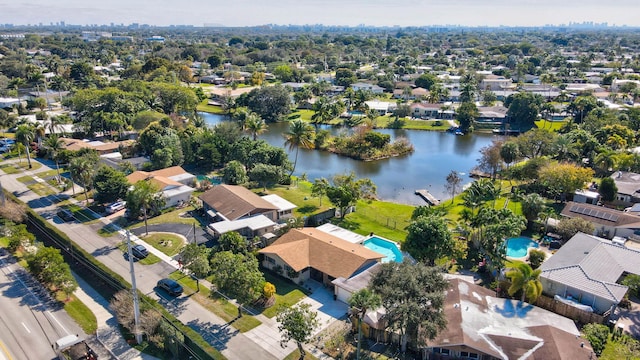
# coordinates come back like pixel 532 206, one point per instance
pixel 329 12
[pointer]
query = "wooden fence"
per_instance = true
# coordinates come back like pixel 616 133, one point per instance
pixel 569 311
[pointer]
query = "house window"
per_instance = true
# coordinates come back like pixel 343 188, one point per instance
pixel 271 260
pixel 468 355
pixel 444 351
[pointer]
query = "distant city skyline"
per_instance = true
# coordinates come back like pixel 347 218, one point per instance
pixel 326 12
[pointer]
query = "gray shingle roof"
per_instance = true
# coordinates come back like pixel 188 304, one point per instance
pixel 593 265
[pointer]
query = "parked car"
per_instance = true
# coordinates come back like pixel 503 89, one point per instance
pixel 115 207
pixel 170 286
pixel 139 251
pixel 4 149
pixel 65 215
pixel 7 142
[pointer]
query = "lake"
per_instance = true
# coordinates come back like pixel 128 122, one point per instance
pixel 436 154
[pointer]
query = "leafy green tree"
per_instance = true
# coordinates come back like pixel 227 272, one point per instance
pixel 526 280
pixel 361 302
pixel 426 81
pixel 160 136
pixel 633 282
pixel 608 189
pixel 428 239
pixel 319 188
pixel 234 242
pixel 266 175
pixel 300 134
pixel 110 185
pixel 48 266
pixel 536 258
pixel 238 276
pixel 234 173
pixel 346 190
pixel 598 335
pixel 466 114
pixel 146 197
pixel 195 258
pixel 564 178
pixel 297 323
pixel 490 160
pixel 345 77
pixel 413 297
pixel 283 73
pixel 524 108
pixel 270 102
pixel 568 227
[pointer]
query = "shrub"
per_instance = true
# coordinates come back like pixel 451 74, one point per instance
pixel 536 258
pixel 597 335
pixel 268 290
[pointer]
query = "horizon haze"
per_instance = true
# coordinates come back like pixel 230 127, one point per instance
pixel 326 12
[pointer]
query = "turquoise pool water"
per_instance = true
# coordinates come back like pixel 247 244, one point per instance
pixel 517 247
pixel 387 248
pixel 212 180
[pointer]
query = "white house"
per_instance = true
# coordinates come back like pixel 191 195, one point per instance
pixel 174 182
pixel 367 87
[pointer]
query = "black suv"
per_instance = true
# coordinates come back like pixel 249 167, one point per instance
pixel 65 215
pixel 139 251
pixel 170 286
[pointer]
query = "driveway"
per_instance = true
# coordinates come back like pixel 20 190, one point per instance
pixel 182 229
pixel 630 319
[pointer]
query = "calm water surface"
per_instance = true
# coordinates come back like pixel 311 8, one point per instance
pixel 435 155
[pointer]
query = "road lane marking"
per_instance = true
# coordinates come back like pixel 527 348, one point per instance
pixel 5 352
pixel 61 326
pixel 26 328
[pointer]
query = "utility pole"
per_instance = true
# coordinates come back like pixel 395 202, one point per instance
pixel 134 289
pixel 1 195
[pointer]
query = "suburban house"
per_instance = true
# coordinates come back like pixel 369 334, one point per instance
pixel 495 83
pixel 485 327
pixel 431 111
pixel 587 271
pixel 586 197
pixel 492 114
pixel 285 208
pixel 10 102
pixel 174 182
pixel 367 87
pixel 488 327
pixel 628 185
pixel 382 107
pixel 308 253
pixel 101 147
pixel 236 208
pixel 606 222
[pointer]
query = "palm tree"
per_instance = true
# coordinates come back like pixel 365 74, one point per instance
pixel 525 279
pixel 532 206
pixel 83 169
pixel 54 146
pixel 300 134
pixel 143 194
pixel 25 134
pixel 323 111
pixel 360 303
pixel 255 125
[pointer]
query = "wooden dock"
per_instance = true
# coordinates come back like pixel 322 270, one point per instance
pixel 426 195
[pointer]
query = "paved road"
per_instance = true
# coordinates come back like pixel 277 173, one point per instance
pixel 29 320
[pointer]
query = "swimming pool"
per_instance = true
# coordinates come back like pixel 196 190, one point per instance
pixel 214 180
pixel 388 248
pixel 518 247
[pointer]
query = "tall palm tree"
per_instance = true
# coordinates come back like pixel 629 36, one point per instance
pixel 300 134
pixel 255 125
pixel 54 146
pixel 83 169
pixel 525 279
pixel 361 302
pixel 144 195
pixel 25 134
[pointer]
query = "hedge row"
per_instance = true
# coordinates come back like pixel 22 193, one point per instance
pixel 107 282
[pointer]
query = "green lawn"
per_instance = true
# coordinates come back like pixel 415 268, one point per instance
pixel 222 308
pixel 48 173
pixel 205 107
pixel 25 179
pixel 79 312
pixel 302 114
pixel 287 293
pixel 295 355
pixel 83 215
pixel 300 194
pixel 149 260
pixel 380 217
pixel 169 244
pixel 616 349
pixel 169 217
pixel 41 189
